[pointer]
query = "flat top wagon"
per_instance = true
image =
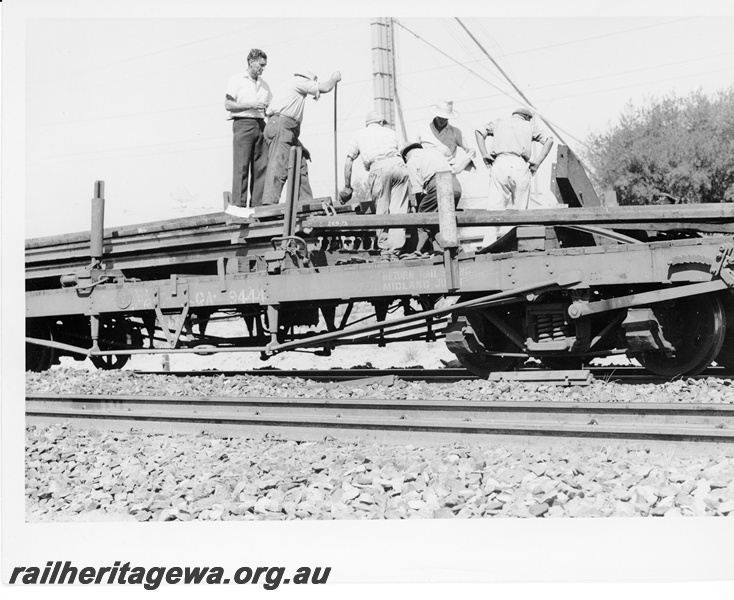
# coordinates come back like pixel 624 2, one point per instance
pixel 564 286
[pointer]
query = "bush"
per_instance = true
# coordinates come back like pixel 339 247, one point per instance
pixel 681 149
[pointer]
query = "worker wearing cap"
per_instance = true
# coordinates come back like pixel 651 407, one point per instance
pixel 388 176
pixel 246 98
pixel 511 161
pixel 285 115
pixel 423 163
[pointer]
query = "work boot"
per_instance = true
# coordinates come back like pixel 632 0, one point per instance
pixel 389 255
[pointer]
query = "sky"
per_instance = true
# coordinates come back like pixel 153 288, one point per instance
pixel 138 102
pixel 132 93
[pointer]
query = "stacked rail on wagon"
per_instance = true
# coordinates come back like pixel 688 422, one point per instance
pixel 564 286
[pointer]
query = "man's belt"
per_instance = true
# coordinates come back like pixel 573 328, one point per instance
pixel 382 159
pixel 512 154
pixel 284 117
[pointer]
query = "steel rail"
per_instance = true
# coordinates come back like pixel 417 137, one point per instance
pixel 183 224
pixel 428 420
pixel 624 374
pixel 184 241
pixel 334 375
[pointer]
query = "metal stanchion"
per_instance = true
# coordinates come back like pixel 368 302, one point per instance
pixel 448 231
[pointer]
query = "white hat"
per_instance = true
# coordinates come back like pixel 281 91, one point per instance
pixel 526 112
pixel 374 117
pixel 444 109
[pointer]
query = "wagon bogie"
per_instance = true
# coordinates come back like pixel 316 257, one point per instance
pixel 485 340
pixel 694 330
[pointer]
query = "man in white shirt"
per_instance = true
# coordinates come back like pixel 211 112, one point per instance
pixel 423 164
pixel 285 115
pixel 246 99
pixel 511 162
pixel 388 176
pixel 447 139
pixel 511 159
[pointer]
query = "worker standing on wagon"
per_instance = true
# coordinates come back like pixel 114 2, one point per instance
pixel 246 99
pixel 510 162
pixel 447 139
pixel 285 116
pixel 388 177
pixel 423 164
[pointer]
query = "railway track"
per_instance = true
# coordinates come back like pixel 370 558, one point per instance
pixel 361 375
pixel 390 421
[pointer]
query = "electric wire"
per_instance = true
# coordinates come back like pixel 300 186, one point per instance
pixel 610 75
pixel 593 38
pixel 136 77
pixel 507 77
pixel 437 49
pixel 550 123
pixel 407 109
pixel 344 84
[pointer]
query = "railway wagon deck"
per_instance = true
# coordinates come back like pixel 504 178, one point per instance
pixel 564 286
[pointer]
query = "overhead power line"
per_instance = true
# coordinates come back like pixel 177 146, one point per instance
pixel 451 58
pixel 106 66
pixel 116 79
pixel 593 38
pixel 508 78
pixel 622 87
pixel 463 65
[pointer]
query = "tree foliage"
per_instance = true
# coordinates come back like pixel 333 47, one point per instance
pixel 672 147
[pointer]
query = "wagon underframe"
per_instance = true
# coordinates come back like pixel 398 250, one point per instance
pixel 564 286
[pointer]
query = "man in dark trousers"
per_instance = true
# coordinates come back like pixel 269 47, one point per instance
pixel 423 164
pixel 246 99
pixel 285 116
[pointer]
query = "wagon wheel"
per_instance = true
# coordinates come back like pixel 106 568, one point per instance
pixel 109 362
pixel 112 336
pixel 725 357
pixel 696 327
pixel 471 337
pixel 39 358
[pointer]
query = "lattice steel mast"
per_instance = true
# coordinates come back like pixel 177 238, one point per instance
pixel 383 73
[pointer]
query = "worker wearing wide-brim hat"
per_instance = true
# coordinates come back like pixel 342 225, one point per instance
pixel 511 158
pixel 446 138
pixel 285 115
pixel 388 184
